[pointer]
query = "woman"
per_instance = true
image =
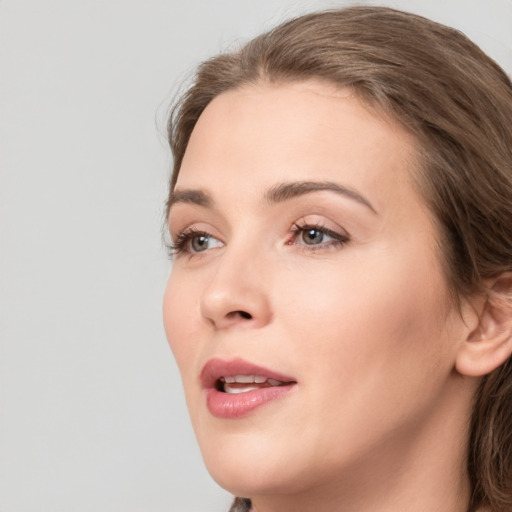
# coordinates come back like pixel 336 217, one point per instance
pixel 340 300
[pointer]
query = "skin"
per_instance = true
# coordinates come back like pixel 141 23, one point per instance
pixel 362 320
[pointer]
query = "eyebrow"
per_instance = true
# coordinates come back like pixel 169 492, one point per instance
pixel 189 196
pixel 276 194
pixel 285 191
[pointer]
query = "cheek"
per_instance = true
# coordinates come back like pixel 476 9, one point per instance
pixel 391 314
pixel 368 344
pixel 179 320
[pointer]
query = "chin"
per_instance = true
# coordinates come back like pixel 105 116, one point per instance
pixel 242 482
pixel 242 478
pixel 247 467
pixel 262 463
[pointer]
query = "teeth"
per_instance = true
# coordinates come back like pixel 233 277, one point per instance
pixel 232 390
pixel 246 379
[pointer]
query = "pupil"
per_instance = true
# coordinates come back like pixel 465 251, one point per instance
pixel 313 236
pixel 199 243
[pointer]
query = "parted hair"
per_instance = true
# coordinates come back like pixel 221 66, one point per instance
pixel 457 103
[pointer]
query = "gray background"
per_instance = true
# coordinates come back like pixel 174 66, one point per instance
pixel 92 417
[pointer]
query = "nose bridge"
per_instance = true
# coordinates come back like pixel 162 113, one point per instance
pixel 237 293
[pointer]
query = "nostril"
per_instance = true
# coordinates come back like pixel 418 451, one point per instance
pixel 242 314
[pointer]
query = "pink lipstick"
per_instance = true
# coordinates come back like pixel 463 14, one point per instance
pixel 235 388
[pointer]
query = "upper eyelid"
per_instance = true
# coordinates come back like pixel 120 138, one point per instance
pixel 302 222
pixel 319 227
pixel 181 213
pixel 184 215
pixel 178 226
pixel 338 235
pixel 322 223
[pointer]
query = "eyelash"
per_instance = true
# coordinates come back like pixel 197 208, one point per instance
pixel 338 239
pixel 181 245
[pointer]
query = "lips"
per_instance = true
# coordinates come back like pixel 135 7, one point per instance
pixel 235 388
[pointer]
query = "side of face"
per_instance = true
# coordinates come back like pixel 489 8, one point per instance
pixel 339 288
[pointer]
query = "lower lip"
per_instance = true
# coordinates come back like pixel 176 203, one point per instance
pixel 236 405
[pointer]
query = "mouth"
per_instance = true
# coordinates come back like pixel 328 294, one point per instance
pixel 244 383
pixel 236 388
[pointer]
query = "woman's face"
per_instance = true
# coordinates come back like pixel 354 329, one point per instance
pixel 306 262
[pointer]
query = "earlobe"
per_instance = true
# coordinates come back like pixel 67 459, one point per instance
pixel 490 344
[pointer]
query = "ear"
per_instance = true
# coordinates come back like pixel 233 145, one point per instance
pixel 490 344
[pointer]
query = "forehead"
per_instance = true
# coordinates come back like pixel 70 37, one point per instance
pixel 257 135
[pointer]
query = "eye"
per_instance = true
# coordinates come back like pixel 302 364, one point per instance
pixel 192 241
pixel 313 236
pixel 317 236
pixel 200 243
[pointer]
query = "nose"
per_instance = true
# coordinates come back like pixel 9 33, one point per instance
pixel 237 294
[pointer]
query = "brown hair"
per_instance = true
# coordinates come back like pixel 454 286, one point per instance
pixel 457 102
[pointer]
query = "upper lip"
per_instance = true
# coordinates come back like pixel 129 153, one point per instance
pixel 216 368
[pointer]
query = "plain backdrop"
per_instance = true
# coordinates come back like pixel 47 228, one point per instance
pixel 92 417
